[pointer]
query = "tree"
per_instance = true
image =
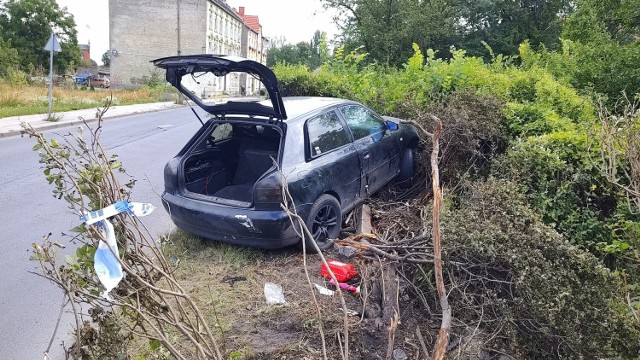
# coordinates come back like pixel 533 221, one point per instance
pixel 505 24
pixel 28 24
pixel 388 28
pixel 312 54
pixel 8 57
pixel 106 58
pixel 619 19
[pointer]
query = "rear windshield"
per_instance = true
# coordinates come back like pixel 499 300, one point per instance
pixel 235 86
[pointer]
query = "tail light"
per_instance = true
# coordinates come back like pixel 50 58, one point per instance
pixel 171 176
pixel 267 194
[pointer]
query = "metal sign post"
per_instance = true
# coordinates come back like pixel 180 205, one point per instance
pixel 52 46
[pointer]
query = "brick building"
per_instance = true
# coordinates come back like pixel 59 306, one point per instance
pixel 143 30
pixel 85 52
pixel 254 47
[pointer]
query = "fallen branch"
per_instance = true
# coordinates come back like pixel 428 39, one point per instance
pixel 419 127
pixel 383 253
pixel 422 344
pixel 445 325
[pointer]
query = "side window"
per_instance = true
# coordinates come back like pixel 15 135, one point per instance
pixel 362 122
pixel 221 132
pixel 325 133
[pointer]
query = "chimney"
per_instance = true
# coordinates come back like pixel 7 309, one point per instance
pixel 241 10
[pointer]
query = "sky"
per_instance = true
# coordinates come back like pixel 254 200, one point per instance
pixel 92 20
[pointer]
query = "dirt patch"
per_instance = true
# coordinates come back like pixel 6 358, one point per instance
pixel 228 284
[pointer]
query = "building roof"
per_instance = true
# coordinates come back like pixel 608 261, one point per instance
pixel 228 9
pixel 251 21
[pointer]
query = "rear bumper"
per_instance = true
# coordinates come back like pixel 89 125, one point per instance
pixel 241 226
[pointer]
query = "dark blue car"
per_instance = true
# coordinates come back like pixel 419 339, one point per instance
pixel 227 183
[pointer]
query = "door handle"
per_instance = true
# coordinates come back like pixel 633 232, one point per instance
pixel 366 155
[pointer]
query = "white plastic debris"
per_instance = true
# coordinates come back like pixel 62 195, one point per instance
pixel 106 263
pixel 323 290
pixel 134 208
pixel 274 294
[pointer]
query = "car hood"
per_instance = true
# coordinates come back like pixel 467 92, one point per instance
pixel 178 66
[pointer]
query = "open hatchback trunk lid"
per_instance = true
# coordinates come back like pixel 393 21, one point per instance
pixel 194 66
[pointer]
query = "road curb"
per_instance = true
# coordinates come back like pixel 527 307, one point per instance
pixel 56 125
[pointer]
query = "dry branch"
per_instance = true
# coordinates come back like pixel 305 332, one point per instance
pixel 152 303
pixel 443 335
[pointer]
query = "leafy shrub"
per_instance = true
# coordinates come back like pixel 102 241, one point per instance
pixel 528 288
pixel 525 119
pixel 297 80
pixel 473 133
pixel 601 66
pixel 15 76
pixel 561 181
pixel 488 109
pixel 9 58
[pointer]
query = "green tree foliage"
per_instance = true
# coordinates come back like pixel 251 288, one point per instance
pixel 504 24
pixel 595 20
pixel 387 29
pixel 9 58
pixel 601 66
pixel 311 54
pixel 28 24
pixel 604 50
pixel 538 123
pixel 106 58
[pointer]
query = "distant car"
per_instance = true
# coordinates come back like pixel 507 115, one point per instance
pixel 331 155
pixel 100 82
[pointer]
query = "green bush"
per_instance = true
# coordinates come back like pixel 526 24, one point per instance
pixel 297 80
pixel 560 180
pixel 601 66
pixel 525 119
pixel 521 282
pixel 489 109
pixel 473 133
pixel 14 76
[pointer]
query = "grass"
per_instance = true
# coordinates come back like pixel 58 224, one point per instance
pixel 227 283
pixel 17 100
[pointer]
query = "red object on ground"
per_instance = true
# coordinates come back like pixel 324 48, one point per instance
pixel 342 271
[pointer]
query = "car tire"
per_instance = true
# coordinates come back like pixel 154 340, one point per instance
pixel 324 222
pixel 407 165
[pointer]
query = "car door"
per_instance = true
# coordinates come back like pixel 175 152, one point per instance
pixel 332 161
pixel 377 149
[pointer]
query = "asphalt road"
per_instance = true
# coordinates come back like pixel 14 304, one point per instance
pixel 29 304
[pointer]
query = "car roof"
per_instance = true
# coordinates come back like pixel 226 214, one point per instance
pixel 297 106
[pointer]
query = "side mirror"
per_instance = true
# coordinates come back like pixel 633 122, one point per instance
pixel 392 126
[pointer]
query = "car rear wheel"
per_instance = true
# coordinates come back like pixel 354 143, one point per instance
pixel 324 222
pixel 407 163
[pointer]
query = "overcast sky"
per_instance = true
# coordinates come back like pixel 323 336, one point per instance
pixel 302 19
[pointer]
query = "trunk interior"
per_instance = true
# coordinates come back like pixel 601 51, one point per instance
pixel 229 162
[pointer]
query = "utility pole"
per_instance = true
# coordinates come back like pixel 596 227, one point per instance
pixel 178 3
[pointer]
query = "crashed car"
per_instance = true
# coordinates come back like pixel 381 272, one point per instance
pixel 227 183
